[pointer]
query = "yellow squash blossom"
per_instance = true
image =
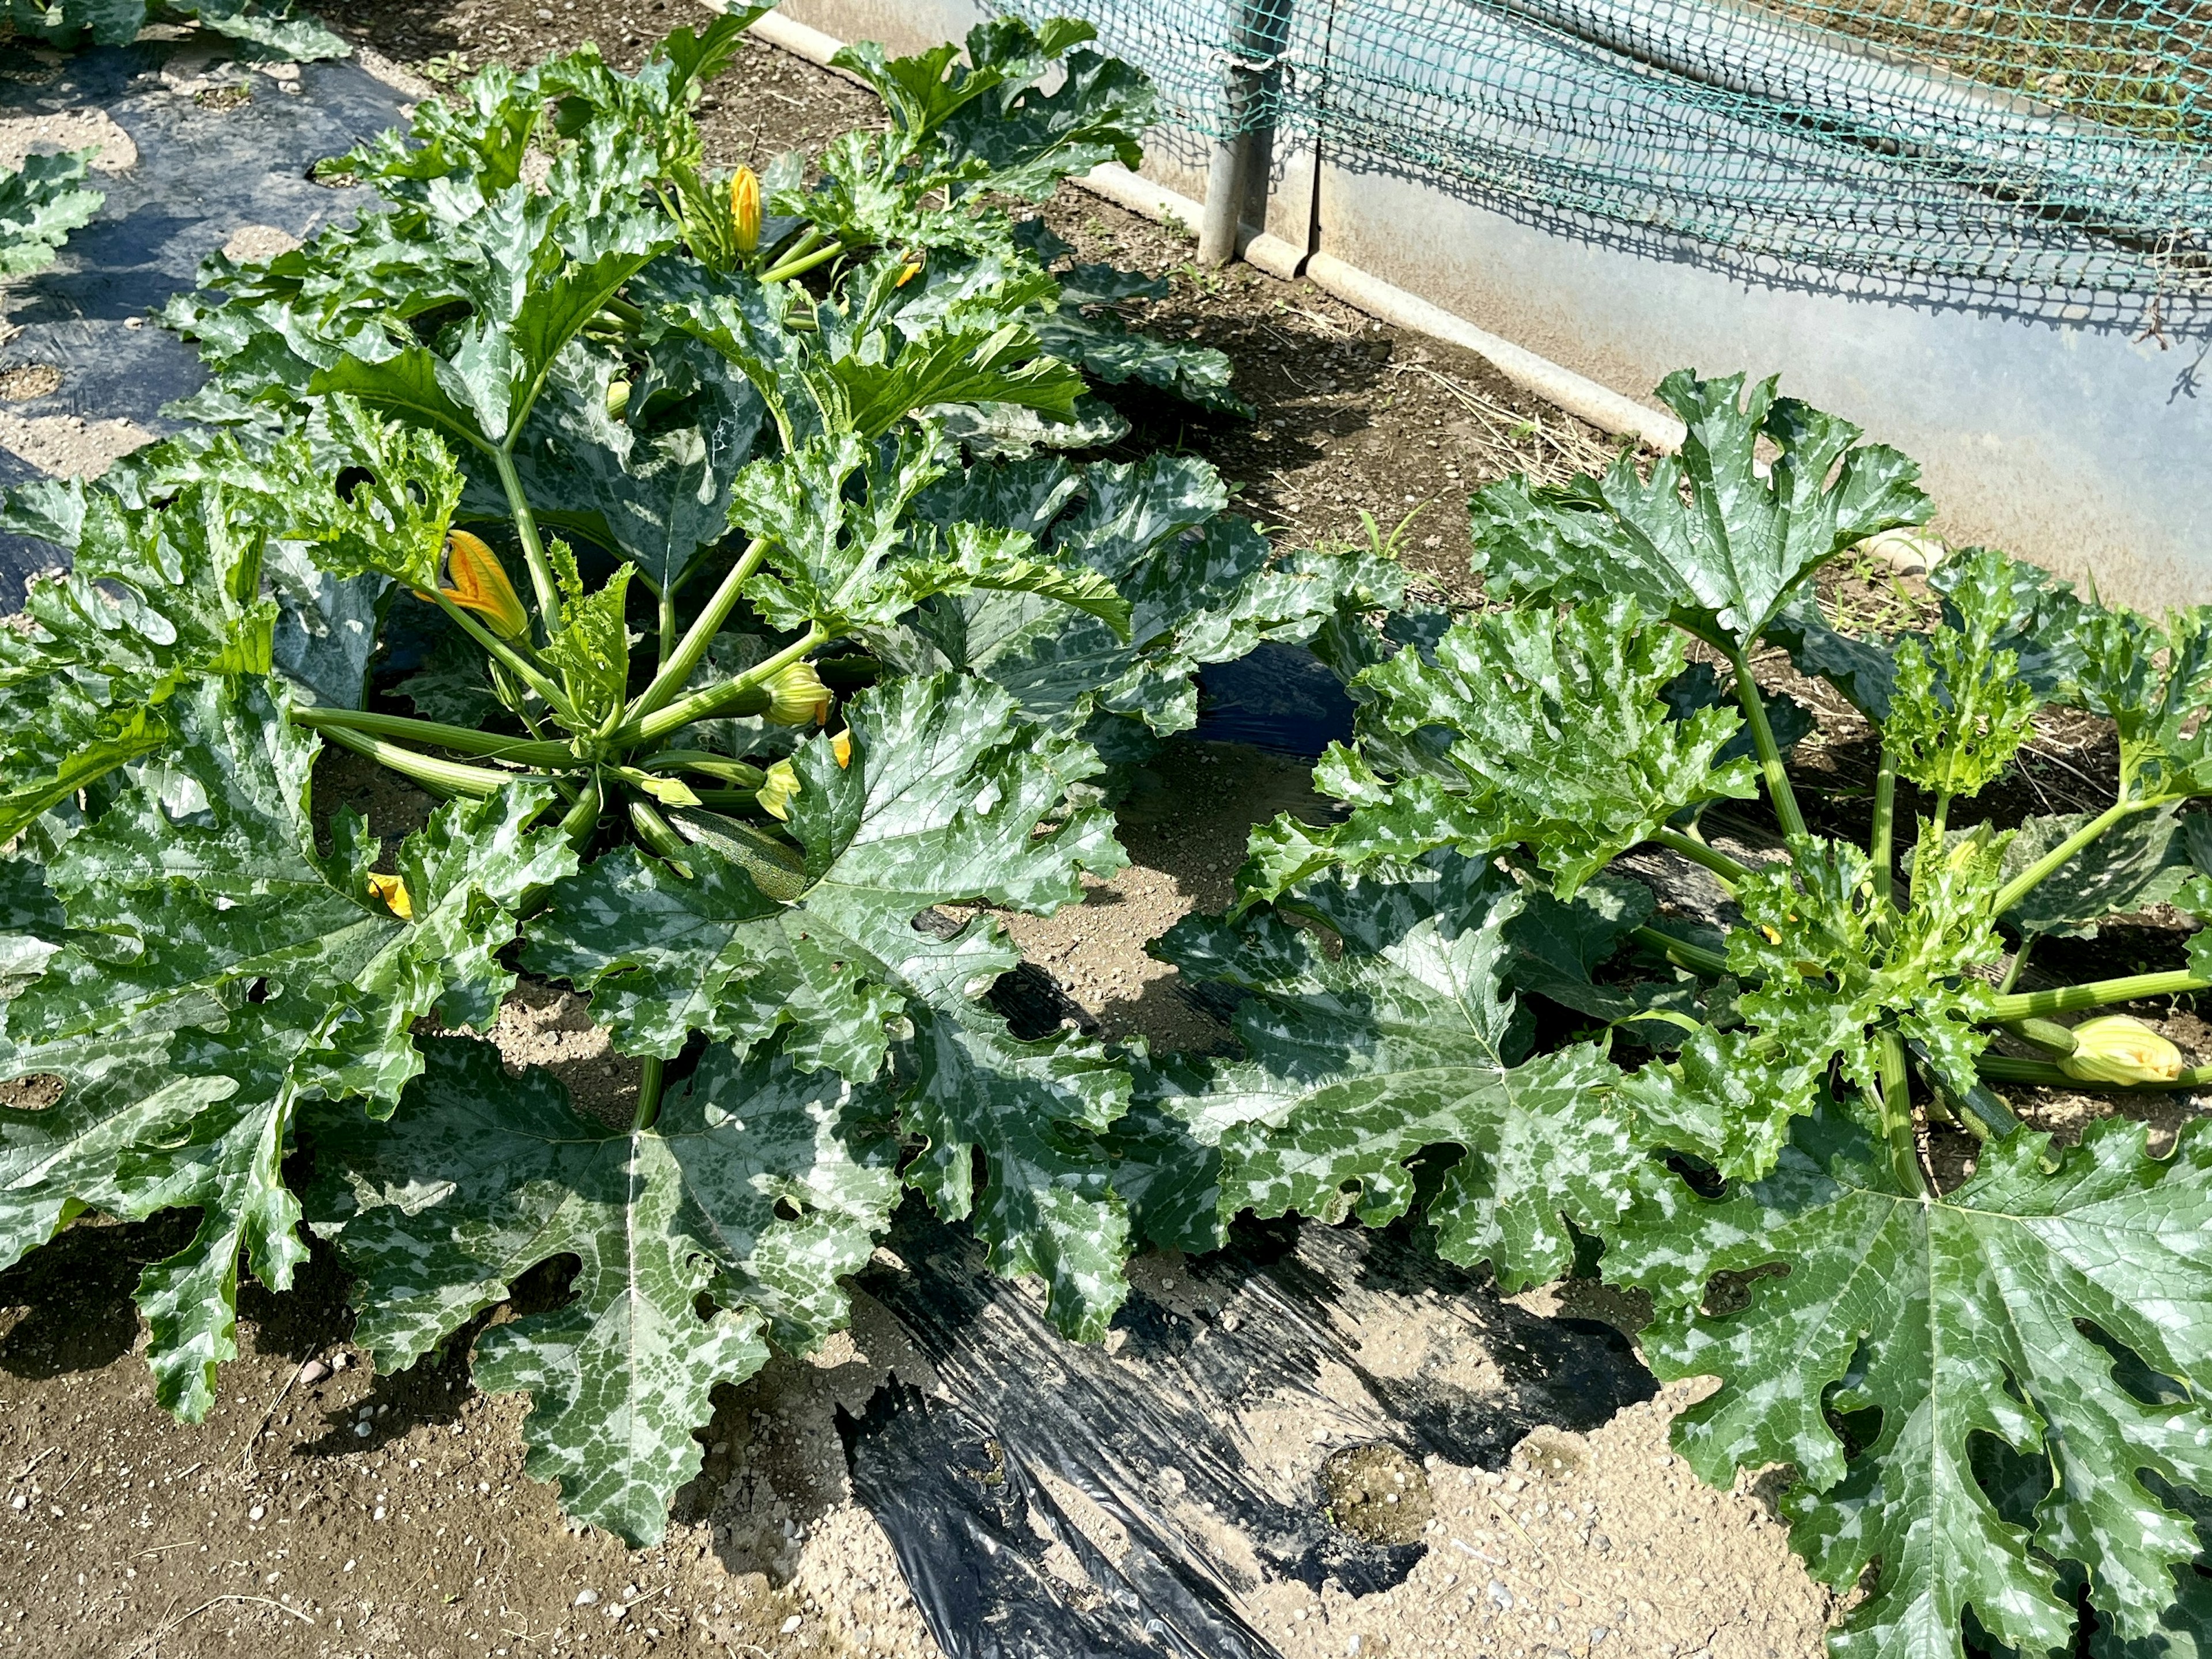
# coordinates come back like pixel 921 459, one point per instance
pixel 745 209
pixel 393 890
pixel 479 584
pixel 797 697
pixel 841 747
pixel 2116 1048
pixel 778 790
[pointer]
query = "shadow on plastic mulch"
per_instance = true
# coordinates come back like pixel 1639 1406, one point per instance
pixel 204 170
pixel 1169 1430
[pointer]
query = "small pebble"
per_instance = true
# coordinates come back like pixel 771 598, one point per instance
pixel 19 1502
pixel 313 1371
pixel 587 1598
pixel 1500 1597
pixel 360 1431
pixel 256 1512
pixel 792 1625
pixel 340 1360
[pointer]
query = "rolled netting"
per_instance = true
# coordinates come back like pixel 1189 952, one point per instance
pixel 2058 145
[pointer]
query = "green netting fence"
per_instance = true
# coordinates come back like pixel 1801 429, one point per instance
pixel 2051 143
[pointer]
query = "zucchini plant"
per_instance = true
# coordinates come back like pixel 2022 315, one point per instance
pixel 730 666
pixel 1987 1388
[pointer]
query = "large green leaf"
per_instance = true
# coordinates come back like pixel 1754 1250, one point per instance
pixel 1559 738
pixel 848 559
pixel 1202 587
pixel 1718 538
pixel 1407 1043
pixel 945 800
pixel 651 482
pixel 2141 862
pixel 1032 139
pixel 154 600
pixel 210 970
pixel 40 203
pixel 1904 1328
pixel 759 1187
pixel 532 269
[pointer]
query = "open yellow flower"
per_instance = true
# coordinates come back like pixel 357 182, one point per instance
pixel 478 583
pixel 393 890
pixel 841 747
pixel 745 209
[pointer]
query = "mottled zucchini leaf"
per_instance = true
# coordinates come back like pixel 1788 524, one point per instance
pixel 210 969
pixel 2001 1309
pixel 1716 539
pixel 1367 1066
pixel 1202 587
pixel 154 600
pixel 1558 739
pixel 758 1188
pixel 40 203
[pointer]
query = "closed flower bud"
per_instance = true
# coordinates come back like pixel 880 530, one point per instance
pixel 778 790
pixel 2117 1048
pixel 393 890
pixel 745 209
pixel 797 697
pixel 478 583
pixel 841 747
pixel 618 399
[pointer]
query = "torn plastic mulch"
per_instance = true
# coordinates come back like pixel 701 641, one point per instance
pixel 219 147
pixel 1171 1431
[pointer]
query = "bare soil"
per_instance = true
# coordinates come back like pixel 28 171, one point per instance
pixel 322 1509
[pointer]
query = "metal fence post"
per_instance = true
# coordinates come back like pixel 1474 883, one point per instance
pixel 1255 39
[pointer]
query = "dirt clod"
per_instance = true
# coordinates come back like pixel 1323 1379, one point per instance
pixel 1378 1494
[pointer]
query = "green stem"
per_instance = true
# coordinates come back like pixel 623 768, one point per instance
pixel 615 306
pixel 2045 1033
pixel 582 820
pixel 1695 957
pixel 446 777
pixel 706 765
pixel 658 835
pixel 729 800
pixel 1943 815
pixel 677 669
pixel 1897 1117
pixel 799 264
pixel 509 658
pixel 717 699
pixel 803 245
pixel 2019 961
pixel 1882 850
pixel 2027 881
pixel 1779 792
pixel 667 624
pixel 1730 870
pixel 488 745
pixel 525 530
pixel 649 1082
pixel 2004 1068
pixel 2072 999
